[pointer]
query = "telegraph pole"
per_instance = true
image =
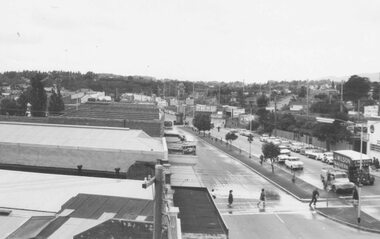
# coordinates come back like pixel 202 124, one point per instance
pixel 341 96
pixel 307 98
pixel 158 181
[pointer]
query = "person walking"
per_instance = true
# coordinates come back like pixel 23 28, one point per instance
pixel 355 197
pixel 262 198
pixel 314 197
pixel 230 199
pixel 261 159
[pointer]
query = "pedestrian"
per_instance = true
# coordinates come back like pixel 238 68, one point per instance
pixel 355 197
pixel 230 199
pixel 213 194
pixel 314 197
pixel 262 198
pixel 261 159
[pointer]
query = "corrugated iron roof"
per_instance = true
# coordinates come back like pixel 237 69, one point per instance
pixel 97 138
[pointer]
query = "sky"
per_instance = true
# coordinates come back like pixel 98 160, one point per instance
pixel 193 40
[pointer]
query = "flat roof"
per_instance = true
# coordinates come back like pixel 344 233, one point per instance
pixel 48 192
pixel 71 136
pixel 353 154
pixel 197 212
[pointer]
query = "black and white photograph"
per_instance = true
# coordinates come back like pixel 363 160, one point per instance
pixel 185 119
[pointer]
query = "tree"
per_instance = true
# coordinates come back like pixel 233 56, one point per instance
pixel 8 107
pixel 262 101
pixel 331 133
pixel 56 104
pixel 230 136
pixel 270 151
pixel 376 91
pixel 202 122
pixel 38 95
pixel 302 92
pixel 356 88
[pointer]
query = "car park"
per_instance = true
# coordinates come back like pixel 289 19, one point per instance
pixel 294 163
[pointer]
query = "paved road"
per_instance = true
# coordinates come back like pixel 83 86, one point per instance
pixel 283 217
pixel 312 168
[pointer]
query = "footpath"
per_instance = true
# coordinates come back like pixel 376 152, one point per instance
pixel 296 187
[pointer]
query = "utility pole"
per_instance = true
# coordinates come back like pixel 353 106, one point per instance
pixel 219 95
pixel 275 115
pixel 341 96
pixel 158 181
pixel 307 99
pixel 360 165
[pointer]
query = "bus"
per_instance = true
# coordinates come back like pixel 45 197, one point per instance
pixel 349 161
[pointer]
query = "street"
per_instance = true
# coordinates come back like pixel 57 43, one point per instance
pixel 283 216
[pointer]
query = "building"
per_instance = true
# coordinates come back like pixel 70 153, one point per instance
pixel 373 143
pixel 67 147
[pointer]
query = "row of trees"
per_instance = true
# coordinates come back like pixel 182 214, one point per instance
pixel 36 96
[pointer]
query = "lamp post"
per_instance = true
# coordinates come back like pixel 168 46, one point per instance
pixel 250 138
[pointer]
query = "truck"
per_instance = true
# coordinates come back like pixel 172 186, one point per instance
pixel 350 161
pixel 336 180
pixel 177 143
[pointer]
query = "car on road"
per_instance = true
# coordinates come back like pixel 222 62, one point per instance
pixel 293 163
pixel 264 137
pixel 296 147
pixel 245 132
pixel 285 151
pixel 328 158
pixel 281 158
pixel 336 180
pixel 314 154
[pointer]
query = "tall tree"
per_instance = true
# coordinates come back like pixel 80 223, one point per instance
pixel 270 151
pixel 230 136
pixel 202 122
pixel 302 92
pixel 356 88
pixel 56 104
pixel 262 101
pixel 38 95
pixel 376 91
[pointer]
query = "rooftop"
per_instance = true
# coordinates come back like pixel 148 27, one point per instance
pixel 34 191
pixel 70 136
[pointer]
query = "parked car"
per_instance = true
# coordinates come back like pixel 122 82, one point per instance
pixel 285 151
pixel 264 137
pixel 328 158
pixel 281 158
pixel 296 147
pixel 314 153
pixel 245 132
pixel 294 163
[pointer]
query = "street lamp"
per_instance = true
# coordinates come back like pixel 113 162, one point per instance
pixel 250 131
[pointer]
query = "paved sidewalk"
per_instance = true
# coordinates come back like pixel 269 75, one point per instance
pixel 300 189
